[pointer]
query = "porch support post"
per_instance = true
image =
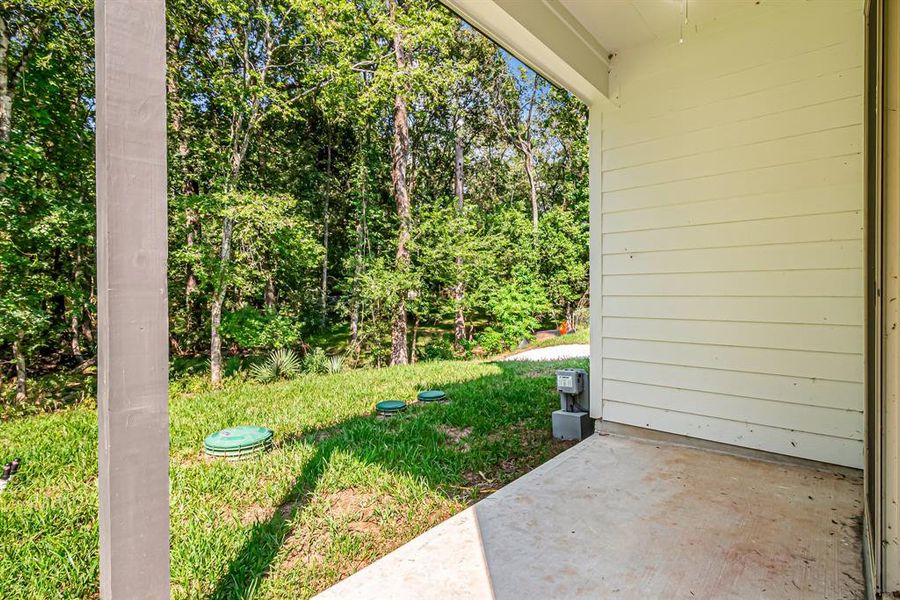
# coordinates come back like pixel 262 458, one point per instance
pixel 595 153
pixel 132 394
pixel 890 165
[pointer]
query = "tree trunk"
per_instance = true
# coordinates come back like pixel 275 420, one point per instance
pixel 459 289
pixel 19 357
pixel 75 328
pixel 75 311
pixel 399 158
pixel 361 243
pixel 354 292
pixel 532 184
pixel 215 350
pixel 415 337
pixel 522 141
pixel 239 151
pixel 324 288
pixel 6 94
pixel 192 219
pixel 270 293
pixel 86 326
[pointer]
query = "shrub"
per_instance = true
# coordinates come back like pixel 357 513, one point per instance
pixel 316 362
pixel 437 348
pixel 491 341
pixel 281 364
pixel 251 328
pixel 515 308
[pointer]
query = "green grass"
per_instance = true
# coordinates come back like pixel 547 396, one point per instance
pixel 582 336
pixel 340 488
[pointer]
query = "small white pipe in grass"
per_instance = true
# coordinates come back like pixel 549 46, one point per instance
pixel 8 471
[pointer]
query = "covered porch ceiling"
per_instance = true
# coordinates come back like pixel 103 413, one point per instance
pixel 571 42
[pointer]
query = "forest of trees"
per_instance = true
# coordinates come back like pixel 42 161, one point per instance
pixel 374 168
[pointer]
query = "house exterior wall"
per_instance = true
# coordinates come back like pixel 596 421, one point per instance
pixel 729 278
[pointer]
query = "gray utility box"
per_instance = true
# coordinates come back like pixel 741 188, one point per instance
pixel 573 420
pixel 572 425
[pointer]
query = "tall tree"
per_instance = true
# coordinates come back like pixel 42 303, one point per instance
pixel 459 191
pixel 399 160
pixel 515 102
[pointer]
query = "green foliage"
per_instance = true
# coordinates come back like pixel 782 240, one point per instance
pixel 516 308
pixel 252 328
pixel 281 364
pixel 492 341
pixel 438 348
pixel 278 110
pixel 562 248
pixel 316 362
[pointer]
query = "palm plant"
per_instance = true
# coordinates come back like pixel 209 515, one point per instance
pixel 336 363
pixel 281 364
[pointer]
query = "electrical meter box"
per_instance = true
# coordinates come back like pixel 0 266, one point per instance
pixel 573 421
pixel 570 381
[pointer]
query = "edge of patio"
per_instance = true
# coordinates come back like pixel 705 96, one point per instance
pixel 632 517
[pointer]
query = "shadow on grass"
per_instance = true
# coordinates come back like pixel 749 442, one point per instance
pixel 508 419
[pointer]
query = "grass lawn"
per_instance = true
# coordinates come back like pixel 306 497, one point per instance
pixel 340 488
pixel 582 336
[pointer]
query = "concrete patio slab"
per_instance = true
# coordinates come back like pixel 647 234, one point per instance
pixel 624 517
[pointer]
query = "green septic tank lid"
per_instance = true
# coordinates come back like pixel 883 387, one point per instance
pixel 238 439
pixel 390 406
pixel 432 395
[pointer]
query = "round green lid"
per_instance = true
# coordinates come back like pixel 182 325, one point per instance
pixel 236 438
pixel 432 395
pixel 390 405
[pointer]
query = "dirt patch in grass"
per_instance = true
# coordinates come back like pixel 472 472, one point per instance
pixel 359 507
pixel 539 447
pixel 305 547
pixel 356 509
pixel 457 435
pixel 478 484
pixel 192 459
pixel 536 373
pixel 352 502
pixel 256 514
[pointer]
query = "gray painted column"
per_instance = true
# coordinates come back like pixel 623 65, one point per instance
pixel 595 191
pixel 132 385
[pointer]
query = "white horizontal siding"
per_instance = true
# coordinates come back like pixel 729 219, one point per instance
pixel 784 336
pixel 785 388
pixel 833 421
pixel 813 446
pixel 775 309
pixel 842 226
pixel 731 220
pixel 818 283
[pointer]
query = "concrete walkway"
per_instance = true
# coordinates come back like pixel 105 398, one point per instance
pixel 553 353
pixel 622 517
